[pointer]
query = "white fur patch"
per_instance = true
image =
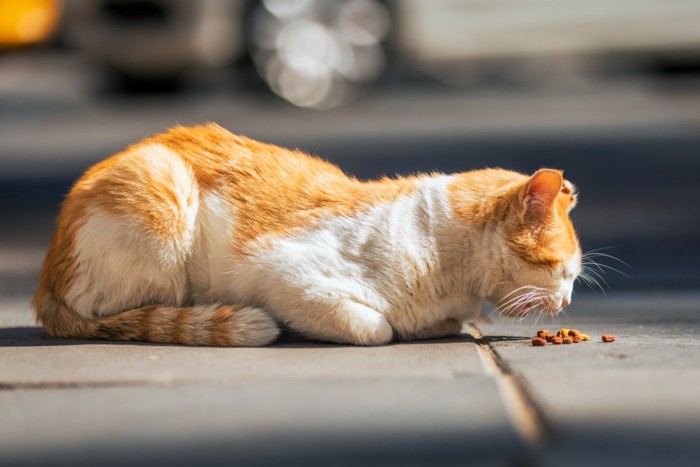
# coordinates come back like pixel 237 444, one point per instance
pixel 570 272
pixel 121 267
pixel 211 258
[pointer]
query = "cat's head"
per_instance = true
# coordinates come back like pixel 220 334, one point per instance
pixel 542 258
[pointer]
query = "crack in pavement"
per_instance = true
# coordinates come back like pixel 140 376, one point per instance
pixel 527 416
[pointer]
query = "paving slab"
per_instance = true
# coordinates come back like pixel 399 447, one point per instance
pixel 634 401
pixel 405 421
pixel 29 356
pixel 70 402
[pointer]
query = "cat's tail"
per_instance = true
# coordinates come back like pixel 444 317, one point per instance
pixel 214 325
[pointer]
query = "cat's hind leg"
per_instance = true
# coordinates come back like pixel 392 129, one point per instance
pixel 118 265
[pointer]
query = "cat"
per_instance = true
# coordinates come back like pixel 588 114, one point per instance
pixel 201 237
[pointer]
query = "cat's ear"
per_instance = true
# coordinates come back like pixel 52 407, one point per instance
pixel 569 189
pixel 538 197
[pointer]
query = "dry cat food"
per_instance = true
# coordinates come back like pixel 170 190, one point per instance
pixel 564 336
pixel 538 341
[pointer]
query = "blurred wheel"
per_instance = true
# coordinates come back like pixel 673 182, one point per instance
pixel 318 53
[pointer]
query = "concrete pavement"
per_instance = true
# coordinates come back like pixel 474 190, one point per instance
pixel 631 402
pixel 487 398
pixel 301 403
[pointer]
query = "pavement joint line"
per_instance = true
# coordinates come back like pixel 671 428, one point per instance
pixel 526 415
pixel 44 385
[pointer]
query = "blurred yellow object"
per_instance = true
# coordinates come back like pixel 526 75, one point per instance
pixel 24 22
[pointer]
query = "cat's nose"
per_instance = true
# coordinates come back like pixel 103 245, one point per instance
pixel 564 302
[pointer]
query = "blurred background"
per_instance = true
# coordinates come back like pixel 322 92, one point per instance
pixel 607 91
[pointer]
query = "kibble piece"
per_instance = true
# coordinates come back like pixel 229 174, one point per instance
pixel 574 332
pixel 549 337
pixel 543 333
pixel 563 332
pixel 567 340
pixel 576 339
pixel 608 338
pixel 538 342
pixel 556 340
pixel 584 337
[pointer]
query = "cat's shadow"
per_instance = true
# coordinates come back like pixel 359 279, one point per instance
pixel 32 336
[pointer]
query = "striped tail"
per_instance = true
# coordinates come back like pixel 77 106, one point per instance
pixel 210 325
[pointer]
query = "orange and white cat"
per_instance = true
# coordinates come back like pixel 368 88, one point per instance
pixel 202 237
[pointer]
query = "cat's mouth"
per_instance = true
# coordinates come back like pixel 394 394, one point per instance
pixel 525 307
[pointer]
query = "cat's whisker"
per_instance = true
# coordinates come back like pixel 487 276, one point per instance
pixel 591 282
pixel 593 273
pixel 536 311
pixel 599 249
pixel 601 267
pixel 514 304
pixel 516 301
pixel 513 309
pixel 507 311
pixel 525 304
pixel 589 260
pixel 593 270
pixel 520 301
pixel 597 254
pixel 526 314
pixel 517 290
pixel 591 264
pixel 540 317
pixel 536 316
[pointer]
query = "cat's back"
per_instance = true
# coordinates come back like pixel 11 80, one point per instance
pixel 159 178
pixel 214 156
pixel 218 157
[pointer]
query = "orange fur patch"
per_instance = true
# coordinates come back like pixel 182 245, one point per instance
pixel 495 195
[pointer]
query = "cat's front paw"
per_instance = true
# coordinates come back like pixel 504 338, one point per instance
pixel 373 329
pixel 349 322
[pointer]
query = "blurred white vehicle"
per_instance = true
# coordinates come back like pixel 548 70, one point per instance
pixel 319 53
